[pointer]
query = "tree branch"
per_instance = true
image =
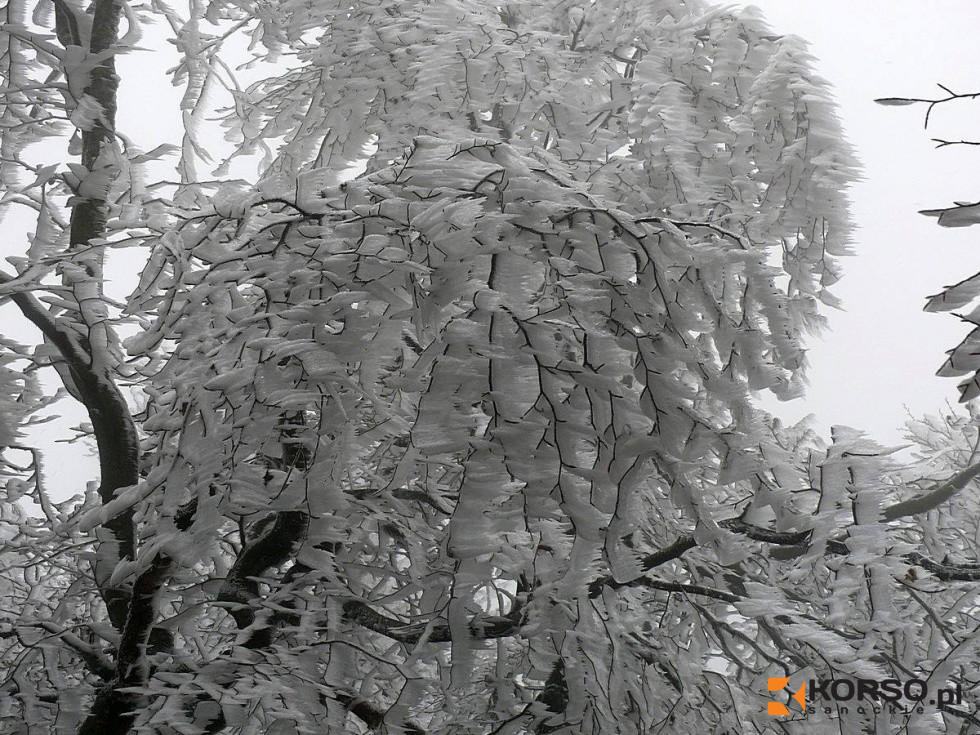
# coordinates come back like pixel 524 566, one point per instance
pixel 96 661
pixel 595 589
pixel 484 627
pixel 371 715
pixel 492 627
pixel 934 498
pixel 273 546
pixel 40 317
pixel 115 433
pixel 902 101
pixel 113 707
pixel 942 143
pixel 796 542
pixel 727 234
pixel 131 660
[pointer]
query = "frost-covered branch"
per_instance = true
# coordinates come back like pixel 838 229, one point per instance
pixel 96 661
pixel 734 237
pixel 372 716
pixel 41 318
pixel 115 431
pixel 484 627
pixel 595 589
pixel 950 96
pixel 116 703
pixel 795 543
pixel 273 545
pixel 90 370
pixel 491 627
pixel 934 498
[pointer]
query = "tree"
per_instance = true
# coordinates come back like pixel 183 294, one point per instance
pixel 464 443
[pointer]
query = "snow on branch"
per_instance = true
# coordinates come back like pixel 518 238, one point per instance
pixel 932 102
pixel 934 498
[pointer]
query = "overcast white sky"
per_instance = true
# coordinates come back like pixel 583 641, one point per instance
pixel 881 354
